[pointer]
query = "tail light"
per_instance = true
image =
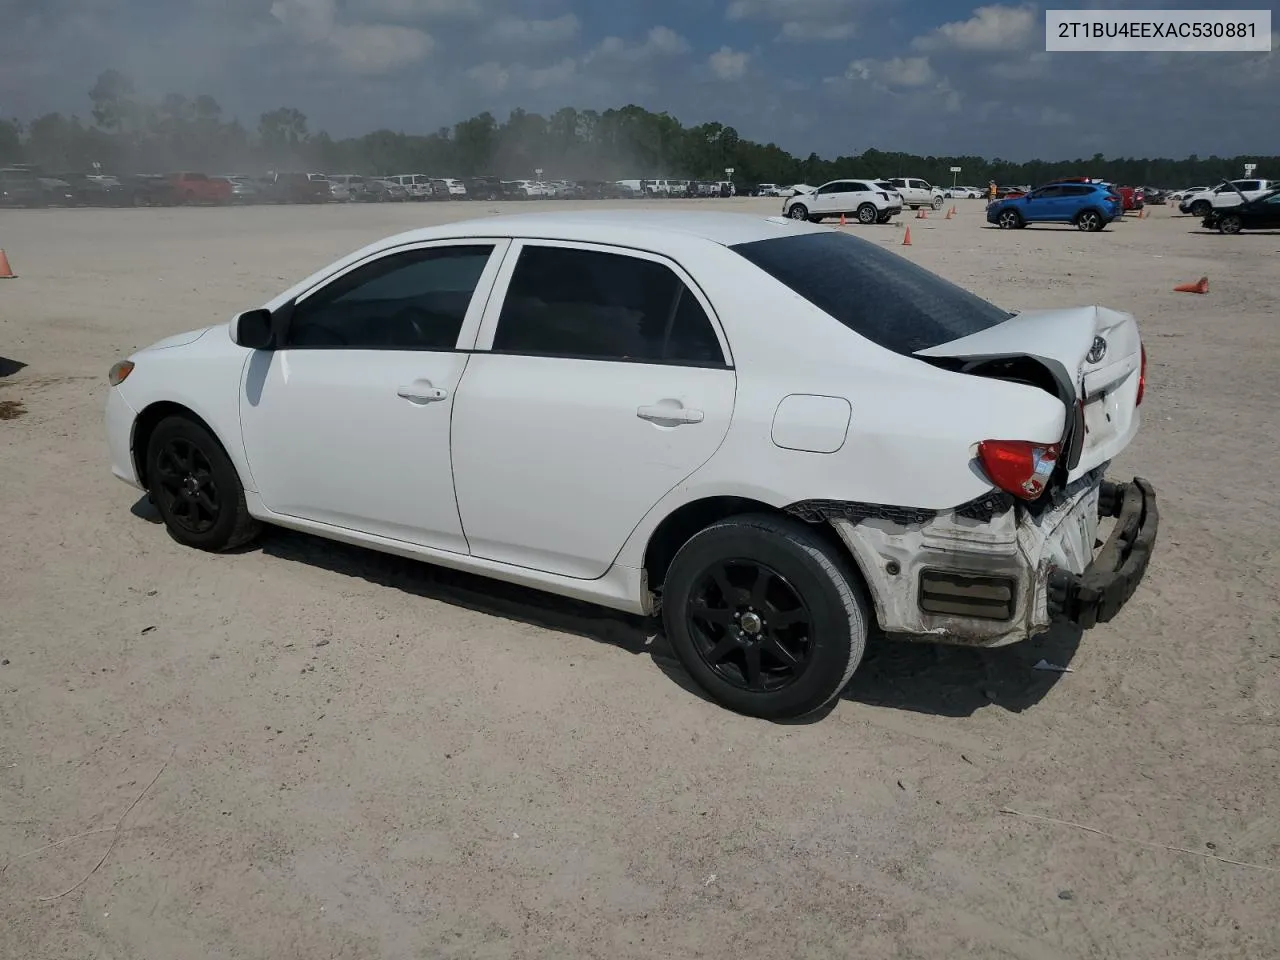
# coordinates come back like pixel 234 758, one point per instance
pixel 1111 199
pixel 1142 377
pixel 1019 467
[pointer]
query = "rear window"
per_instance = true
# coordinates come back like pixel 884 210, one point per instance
pixel 875 293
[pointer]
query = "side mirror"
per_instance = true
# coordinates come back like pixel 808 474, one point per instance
pixel 254 329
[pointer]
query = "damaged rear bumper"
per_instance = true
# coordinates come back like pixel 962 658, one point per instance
pixel 997 576
pixel 1097 594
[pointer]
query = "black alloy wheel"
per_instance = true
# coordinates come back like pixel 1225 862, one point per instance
pixel 195 487
pixel 750 626
pixel 766 614
pixel 185 486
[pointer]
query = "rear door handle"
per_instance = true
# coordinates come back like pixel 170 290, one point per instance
pixel 422 393
pixel 669 412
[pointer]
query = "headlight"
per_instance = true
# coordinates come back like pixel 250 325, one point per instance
pixel 120 372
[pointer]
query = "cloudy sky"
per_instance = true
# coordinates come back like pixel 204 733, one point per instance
pixel 832 76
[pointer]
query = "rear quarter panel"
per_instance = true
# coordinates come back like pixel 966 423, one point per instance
pixel 913 428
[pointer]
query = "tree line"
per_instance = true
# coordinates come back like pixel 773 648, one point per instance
pixel 126 134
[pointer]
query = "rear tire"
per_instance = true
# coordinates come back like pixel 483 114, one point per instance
pixel 765 615
pixel 196 488
pixel 867 213
pixel 1089 221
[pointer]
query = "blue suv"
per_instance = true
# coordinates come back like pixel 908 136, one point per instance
pixel 1090 206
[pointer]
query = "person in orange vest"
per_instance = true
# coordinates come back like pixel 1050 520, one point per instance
pixel 991 192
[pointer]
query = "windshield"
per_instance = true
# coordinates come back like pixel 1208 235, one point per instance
pixel 872 291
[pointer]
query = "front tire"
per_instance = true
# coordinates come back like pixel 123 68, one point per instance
pixel 867 213
pixel 937 203
pixel 1201 208
pixel 798 211
pixel 1009 220
pixel 196 488
pixel 765 615
pixel 1231 223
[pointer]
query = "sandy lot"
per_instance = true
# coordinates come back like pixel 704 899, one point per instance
pixel 364 757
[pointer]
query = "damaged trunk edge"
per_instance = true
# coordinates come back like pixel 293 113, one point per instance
pixel 975 575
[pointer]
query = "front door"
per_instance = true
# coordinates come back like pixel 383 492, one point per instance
pixel 605 386
pixel 348 423
pixel 826 202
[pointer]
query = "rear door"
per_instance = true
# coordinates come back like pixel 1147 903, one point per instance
pixel 600 381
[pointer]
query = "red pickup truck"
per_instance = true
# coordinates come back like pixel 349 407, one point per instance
pixel 191 187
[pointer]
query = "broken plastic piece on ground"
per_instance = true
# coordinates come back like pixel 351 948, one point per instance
pixel 1200 286
pixel 1046 665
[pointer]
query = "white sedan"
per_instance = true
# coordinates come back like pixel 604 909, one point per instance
pixel 963 193
pixel 776 434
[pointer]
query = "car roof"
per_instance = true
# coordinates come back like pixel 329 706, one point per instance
pixel 612 226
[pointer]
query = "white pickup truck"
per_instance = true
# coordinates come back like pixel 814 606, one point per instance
pixel 918 193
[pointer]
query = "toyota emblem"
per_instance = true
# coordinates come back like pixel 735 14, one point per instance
pixel 1097 351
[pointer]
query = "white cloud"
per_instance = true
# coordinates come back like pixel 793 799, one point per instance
pixel 379 48
pixel 515 30
pixel 661 42
pixel 493 78
pixel 417 10
pixel 897 72
pixel 990 29
pixel 803 20
pixel 729 64
pixel 800 31
pixel 360 48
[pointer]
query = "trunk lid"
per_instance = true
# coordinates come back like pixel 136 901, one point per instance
pixel 1095 356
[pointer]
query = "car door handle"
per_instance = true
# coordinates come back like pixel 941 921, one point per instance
pixel 422 393
pixel 669 412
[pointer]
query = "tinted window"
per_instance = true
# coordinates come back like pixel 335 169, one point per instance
pixel 1047 192
pixel 836 187
pixel 605 306
pixel 1078 191
pixel 878 294
pixel 407 301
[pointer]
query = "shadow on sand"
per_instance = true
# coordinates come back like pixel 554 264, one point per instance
pixel 921 677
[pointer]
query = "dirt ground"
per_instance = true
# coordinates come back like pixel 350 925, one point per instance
pixel 363 757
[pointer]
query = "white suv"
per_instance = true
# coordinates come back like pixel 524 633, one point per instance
pixel 1225 195
pixel 918 193
pixel 862 199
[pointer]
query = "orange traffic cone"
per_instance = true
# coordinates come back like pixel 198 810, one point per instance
pixel 6 271
pixel 1200 286
pixel 949 214
pixel 906 240
pixel 843 222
